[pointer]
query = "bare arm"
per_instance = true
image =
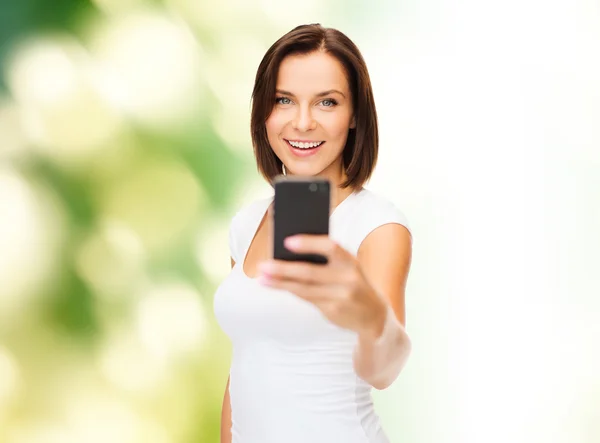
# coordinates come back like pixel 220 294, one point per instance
pixel 226 408
pixel 226 417
pixel 385 258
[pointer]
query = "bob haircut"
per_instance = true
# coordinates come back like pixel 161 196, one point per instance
pixel 360 152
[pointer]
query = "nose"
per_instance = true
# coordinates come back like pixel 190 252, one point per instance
pixel 303 120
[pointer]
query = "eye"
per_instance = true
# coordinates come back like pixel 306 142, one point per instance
pixel 329 103
pixel 283 101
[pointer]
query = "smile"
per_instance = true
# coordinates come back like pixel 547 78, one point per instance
pixel 304 148
pixel 304 144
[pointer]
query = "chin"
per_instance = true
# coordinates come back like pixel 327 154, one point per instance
pixel 304 170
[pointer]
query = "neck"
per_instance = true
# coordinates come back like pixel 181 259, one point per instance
pixel 339 194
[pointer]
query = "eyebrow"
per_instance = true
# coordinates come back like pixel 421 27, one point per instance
pixel 320 94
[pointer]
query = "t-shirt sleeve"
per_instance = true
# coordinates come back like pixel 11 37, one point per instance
pixel 243 226
pixel 381 214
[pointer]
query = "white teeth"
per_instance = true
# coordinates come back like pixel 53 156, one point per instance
pixel 303 145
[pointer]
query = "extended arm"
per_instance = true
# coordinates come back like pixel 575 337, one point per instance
pixel 382 352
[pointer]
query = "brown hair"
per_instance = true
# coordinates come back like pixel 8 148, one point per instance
pixel 360 152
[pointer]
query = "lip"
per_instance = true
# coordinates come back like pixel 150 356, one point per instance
pixel 298 152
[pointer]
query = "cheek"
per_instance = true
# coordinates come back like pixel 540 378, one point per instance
pixel 274 124
pixel 338 125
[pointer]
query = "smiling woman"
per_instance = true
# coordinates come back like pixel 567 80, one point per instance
pixel 315 118
pixel 311 341
pixel 313 86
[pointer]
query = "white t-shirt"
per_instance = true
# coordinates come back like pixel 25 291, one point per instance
pixel 292 377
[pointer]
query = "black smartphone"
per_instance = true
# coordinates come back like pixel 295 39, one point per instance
pixel 301 207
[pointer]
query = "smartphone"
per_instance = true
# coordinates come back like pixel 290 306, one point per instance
pixel 301 207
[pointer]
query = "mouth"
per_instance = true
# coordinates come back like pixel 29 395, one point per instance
pixel 303 148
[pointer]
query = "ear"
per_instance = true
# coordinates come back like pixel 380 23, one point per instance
pixel 353 122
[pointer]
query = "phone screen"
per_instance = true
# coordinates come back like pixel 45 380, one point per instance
pixel 301 207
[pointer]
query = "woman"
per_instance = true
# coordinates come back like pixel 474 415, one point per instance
pixel 311 341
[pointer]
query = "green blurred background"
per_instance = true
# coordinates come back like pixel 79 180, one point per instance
pixel 125 150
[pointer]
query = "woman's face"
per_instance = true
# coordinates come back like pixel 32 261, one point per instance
pixel 309 124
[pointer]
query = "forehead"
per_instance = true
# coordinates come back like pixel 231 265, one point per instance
pixel 311 73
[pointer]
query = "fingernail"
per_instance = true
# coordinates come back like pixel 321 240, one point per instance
pixel 292 242
pixel 265 266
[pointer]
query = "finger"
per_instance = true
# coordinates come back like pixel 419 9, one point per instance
pixel 302 272
pixel 314 244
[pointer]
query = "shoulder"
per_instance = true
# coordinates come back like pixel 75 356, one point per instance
pixel 244 223
pixel 249 211
pixel 375 207
pixel 373 211
pixel 368 212
pixel 385 249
